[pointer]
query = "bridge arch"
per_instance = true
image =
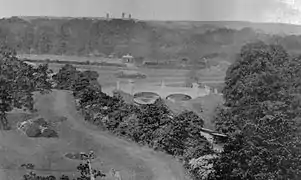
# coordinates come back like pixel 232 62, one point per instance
pixel 145 97
pixel 177 97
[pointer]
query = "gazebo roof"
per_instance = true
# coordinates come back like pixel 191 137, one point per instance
pixel 127 56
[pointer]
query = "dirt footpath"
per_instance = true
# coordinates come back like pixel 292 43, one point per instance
pixel 162 166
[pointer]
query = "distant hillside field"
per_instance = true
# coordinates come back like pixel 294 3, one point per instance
pixel 149 40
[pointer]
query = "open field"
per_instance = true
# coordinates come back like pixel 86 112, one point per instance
pixel 75 135
pixel 68 58
pixel 108 79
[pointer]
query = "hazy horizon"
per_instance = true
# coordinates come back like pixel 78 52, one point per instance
pixel 279 11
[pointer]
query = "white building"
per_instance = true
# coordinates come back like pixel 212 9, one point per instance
pixel 128 58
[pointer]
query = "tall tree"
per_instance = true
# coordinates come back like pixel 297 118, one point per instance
pixel 151 118
pixel 18 81
pixel 66 77
pixel 259 118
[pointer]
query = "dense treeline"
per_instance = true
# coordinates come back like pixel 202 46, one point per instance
pixel 85 37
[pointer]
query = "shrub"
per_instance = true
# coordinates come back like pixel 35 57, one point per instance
pixel 33 130
pixel 49 133
pixel 41 122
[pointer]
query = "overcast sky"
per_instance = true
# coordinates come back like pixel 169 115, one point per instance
pixel 287 11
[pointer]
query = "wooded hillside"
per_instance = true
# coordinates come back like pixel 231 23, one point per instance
pixel 150 40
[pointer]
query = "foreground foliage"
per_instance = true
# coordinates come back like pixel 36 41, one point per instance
pixel 82 168
pixel 261 116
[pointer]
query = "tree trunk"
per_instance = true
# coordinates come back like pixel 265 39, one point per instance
pixel 4 122
pixel 91 170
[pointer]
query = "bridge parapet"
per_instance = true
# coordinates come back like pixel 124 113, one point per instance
pixel 162 90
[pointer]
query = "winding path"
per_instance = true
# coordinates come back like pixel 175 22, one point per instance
pixel 163 167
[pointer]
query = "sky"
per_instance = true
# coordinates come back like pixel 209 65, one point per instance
pixel 285 11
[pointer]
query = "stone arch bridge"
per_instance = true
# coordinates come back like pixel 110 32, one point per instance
pixel 162 90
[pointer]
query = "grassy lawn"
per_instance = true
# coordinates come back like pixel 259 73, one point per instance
pixel 48 154
pixel 75 135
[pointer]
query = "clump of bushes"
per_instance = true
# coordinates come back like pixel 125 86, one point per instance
pixel 33 130
pixel 28 166
pixel 37 128
pixel 48 133
pixel 83 168
pixel 77 156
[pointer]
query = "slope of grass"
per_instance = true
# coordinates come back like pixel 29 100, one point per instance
pixel 48 155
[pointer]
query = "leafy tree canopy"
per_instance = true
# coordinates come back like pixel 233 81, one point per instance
pixel 260 117
pixel 18 81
